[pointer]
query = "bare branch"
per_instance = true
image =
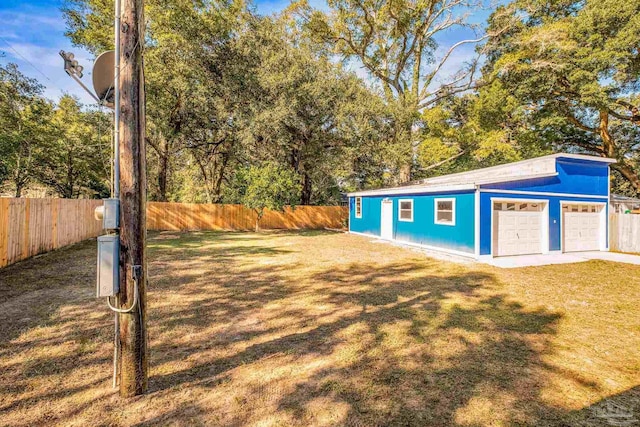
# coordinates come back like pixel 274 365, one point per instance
pixel 577 123
pixel 635 113
pixel 442 162
pixel 452 88
pixel 431 75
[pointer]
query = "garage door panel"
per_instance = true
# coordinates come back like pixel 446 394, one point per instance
pixel 517 232
pixel 581 225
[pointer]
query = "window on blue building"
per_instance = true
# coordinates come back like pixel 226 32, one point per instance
pixel 405 208
pixel 445 212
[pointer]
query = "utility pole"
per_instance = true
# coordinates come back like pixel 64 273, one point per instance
pixel 122 268
pixel 132 334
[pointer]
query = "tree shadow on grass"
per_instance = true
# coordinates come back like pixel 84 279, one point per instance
pixel 56 343
pixel 245 331
pixel 398 345
pixel 52 326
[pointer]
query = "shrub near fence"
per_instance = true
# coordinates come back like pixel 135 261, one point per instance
pixel 30 227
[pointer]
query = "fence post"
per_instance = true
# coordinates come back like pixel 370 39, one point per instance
pixel 4 231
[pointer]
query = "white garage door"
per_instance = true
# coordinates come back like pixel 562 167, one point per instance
pixel 581 225
pixel 517 228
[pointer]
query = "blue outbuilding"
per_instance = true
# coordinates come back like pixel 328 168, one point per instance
pixel 552 203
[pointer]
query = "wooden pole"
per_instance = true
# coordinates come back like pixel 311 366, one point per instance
pixel 133 362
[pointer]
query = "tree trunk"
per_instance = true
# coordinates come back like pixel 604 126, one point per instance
pixel 258 218
pixel 163 167
pixel 205 178
pixel 610 150
pixel 217 185
pixel 18 178
pixel 607 139
pixel 305 198
pixel 404 174
pixel 628 173
pixel 405 146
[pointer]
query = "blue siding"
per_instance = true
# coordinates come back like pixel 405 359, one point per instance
pixel 574 177
pixel 370 221
pixel 577 180
pixel 423 229
pixel 554 216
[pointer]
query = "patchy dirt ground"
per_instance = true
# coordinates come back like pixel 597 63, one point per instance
pixel 324 329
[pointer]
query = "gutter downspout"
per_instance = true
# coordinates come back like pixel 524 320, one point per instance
pixel 476 218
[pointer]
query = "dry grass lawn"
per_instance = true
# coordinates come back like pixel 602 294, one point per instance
pixel 324 329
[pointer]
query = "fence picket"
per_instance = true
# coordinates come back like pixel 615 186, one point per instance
pixel 30 227
pixel 192 216
pixel 624 233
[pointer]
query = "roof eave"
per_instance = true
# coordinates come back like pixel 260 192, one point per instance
pixel 517 178
pixel 413 190
pixel 444 188
pixel 584 157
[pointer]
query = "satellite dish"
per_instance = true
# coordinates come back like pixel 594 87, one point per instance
pixel 103 76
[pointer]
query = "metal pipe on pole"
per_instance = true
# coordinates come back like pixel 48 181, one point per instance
pixel 74 77
pixel 116 87
pixel 116 165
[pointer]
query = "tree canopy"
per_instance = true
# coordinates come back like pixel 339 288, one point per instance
pixel 399 43
pixel 270 186
pixel 230 91
pixel 574 65
pixel 62 147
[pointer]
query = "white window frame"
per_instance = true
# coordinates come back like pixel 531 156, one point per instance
pixel 400 201
pixel 453 211
pixel 355 206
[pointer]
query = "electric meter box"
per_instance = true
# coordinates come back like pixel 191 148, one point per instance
pixel 108 280
pixel 111 214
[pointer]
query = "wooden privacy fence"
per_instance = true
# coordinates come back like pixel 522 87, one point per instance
pixel 624 232
pixel 30 227
pixel 192 216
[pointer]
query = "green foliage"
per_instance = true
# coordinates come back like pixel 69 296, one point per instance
pixel 396 43
pixel 190 84
pixel 575 65
pixel 227 90
pixel 472 131
pixel 24 125
pixel 57 146
pixel 74 160
pixel 271 186
pixel 306 111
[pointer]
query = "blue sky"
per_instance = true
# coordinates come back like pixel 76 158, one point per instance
pixel 32 34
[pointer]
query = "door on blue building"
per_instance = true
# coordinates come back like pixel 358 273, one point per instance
pixel 517 228
pixel 583 226
pixel 386 219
